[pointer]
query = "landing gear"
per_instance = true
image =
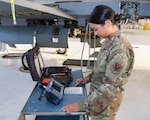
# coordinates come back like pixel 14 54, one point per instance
pixel 61 50
pixel 0 45
pixel 24 63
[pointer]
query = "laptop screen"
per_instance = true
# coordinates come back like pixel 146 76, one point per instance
pixel 37 65
pixel 41 62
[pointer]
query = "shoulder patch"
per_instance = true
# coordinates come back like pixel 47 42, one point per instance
pixel 116 68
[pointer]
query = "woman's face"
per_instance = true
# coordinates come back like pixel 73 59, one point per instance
pixel 100 30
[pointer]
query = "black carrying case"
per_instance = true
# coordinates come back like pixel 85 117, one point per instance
pixel 42 74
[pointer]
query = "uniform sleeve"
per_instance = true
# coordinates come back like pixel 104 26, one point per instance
pixel 88 77
pixel 116 67
pixel 106 93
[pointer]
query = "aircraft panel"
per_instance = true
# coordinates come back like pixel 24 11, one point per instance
pixel 144 9
pixel 56 36
pixel 85 8
pixel 16 34
pixel 46 36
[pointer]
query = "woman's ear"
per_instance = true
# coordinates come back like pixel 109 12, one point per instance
pixel 108 23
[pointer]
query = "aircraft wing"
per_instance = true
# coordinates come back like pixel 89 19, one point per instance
pixel 43 8
pixel 53 1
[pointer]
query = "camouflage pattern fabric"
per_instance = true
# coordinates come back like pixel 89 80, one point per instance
pixel 114 65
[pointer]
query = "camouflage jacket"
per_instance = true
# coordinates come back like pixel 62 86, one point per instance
pixel 114 65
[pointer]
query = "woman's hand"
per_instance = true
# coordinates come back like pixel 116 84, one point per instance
pixel 79 81
pixel 71 108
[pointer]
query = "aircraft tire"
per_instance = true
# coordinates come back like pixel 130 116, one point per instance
pixel 61 50
pixel 24 61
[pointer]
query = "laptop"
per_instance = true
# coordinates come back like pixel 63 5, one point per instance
pixel 42 74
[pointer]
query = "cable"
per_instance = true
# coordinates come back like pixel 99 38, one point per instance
pixel 87 26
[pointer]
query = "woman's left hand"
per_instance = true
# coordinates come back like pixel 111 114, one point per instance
pixel 71 108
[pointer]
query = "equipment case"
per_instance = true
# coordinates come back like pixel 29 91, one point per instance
pixel 42 74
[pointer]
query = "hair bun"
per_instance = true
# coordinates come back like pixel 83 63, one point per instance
pixel 118 17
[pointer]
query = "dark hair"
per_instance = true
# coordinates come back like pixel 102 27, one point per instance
pixel 102 13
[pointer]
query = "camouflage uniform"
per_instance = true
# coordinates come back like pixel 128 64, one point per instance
pixel 113 67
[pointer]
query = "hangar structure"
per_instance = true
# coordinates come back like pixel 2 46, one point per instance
pixel 29 15
pixel 65 27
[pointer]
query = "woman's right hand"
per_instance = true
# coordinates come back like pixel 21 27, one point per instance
pixel 79 81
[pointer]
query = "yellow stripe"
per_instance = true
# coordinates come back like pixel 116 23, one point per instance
pixel 13 10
